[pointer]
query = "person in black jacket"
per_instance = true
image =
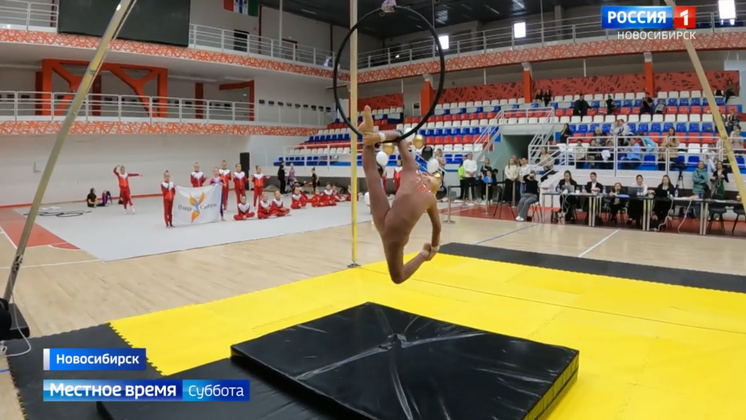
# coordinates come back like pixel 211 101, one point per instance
pixel 663 195
pixel 529 197
pixel 616 204
pixel 482 186
pixel 565 134
pixel 568 203
pixel 281 177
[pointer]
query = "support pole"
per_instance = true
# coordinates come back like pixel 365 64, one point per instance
pixel 353 136
pixel 117 20
pixel 719 123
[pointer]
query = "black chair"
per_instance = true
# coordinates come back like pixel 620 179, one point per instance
pixel 738 210
pixel 716 212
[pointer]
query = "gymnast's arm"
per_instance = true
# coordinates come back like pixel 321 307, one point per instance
pixel 399 271
pixel 434 215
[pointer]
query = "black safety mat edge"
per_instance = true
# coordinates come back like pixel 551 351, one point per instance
pixel 283 381
pixel 28 375
pixel 280 381
pixel 557 391
pixel 653 274
pixel 267 401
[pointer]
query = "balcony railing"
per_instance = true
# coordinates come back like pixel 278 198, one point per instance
pixel 42 106
pixel 24 15
pixel 565 31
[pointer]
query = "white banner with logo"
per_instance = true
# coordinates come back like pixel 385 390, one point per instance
pixel 195 206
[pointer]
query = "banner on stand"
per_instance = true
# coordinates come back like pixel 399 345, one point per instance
pixel 196 206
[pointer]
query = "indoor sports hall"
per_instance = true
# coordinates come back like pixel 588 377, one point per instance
pixel 602 278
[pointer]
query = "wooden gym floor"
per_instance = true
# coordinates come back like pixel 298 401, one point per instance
pixel 648 350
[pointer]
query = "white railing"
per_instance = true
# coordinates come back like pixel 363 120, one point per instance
pixel 565 31
pixel 24 15
pixel 44 106
pixel 609 155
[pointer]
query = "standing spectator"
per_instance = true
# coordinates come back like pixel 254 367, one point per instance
pixel 581 107
pixel 565 134
pixel 512 172
pixel 647 106
pixel 610 107
pixel 547 97
pixel 470 174
pixel 539 96
pixel 281 177
pixel 730 90
pixel 482 184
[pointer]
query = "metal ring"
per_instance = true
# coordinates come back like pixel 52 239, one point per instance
pixel 441 81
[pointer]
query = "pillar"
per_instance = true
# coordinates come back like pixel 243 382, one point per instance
pixel 427 93
pixel 50 67
pixel 38 88
pixel 96 97
pixel 527 83
pixel 249 86
pixel 649 80
pixel 199 103
pixel 559 16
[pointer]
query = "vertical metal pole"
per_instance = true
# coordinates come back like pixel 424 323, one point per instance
pixel 448 196
pixel 279 25
pixel 353 136
pixel 719 123
pixel 117 20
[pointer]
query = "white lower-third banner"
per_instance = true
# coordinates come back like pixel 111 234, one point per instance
pixel 194 206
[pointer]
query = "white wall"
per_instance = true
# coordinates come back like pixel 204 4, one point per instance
pixel 87 161
pixel 266 149
pixel 364 42
pixel 292 91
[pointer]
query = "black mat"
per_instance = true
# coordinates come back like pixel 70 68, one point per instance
pixel 267 403
pixel 28 374
pixel 673 276
pixel 391 365
pixel 19 327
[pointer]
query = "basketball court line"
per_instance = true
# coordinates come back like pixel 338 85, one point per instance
pixel 599 243
pixel 53 264
pixel 10 241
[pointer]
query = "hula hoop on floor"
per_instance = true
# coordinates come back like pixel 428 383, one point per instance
pixel 69 213
pixel 441 81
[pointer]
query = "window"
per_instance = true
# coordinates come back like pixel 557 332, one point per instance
pixel 444 41
pixel 519 30
pixel 727 9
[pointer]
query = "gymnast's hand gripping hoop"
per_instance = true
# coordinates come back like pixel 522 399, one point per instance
pixel 388 7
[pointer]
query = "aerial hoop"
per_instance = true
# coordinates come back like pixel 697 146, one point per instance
pixel 389 6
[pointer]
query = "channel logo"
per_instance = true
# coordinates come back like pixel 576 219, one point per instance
pixel 648 17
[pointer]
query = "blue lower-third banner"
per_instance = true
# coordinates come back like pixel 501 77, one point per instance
pixel 158 390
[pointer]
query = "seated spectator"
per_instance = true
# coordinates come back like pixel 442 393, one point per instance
pixel 647 106
pixel 530 196
pixel 568 203
pixel 610 107
pixel 621 132
pixel 736 141
pixel 636 192
pixel 523 170
pixel 593 154
pixel 546 161
pixel 539 96
pixel 616 203
pixel 662 206
pixel 732 121
pixel 607 154
pixel 633 158
pixel 660 107
pixel 93 201
pixel 565 134
pixel 578 154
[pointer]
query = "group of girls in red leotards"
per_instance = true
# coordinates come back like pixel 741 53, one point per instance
pixel 262 208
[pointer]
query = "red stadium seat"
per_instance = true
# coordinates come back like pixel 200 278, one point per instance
pixel 439 140
pixel 491 115
pixel 454 139
pixel 467 139
pixel 672 110
pixel 684 110
pixel 592 111
pixel 694 138
pixel 438 118
pixel 696 109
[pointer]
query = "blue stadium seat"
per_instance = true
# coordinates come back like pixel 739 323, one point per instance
pixel 643 127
